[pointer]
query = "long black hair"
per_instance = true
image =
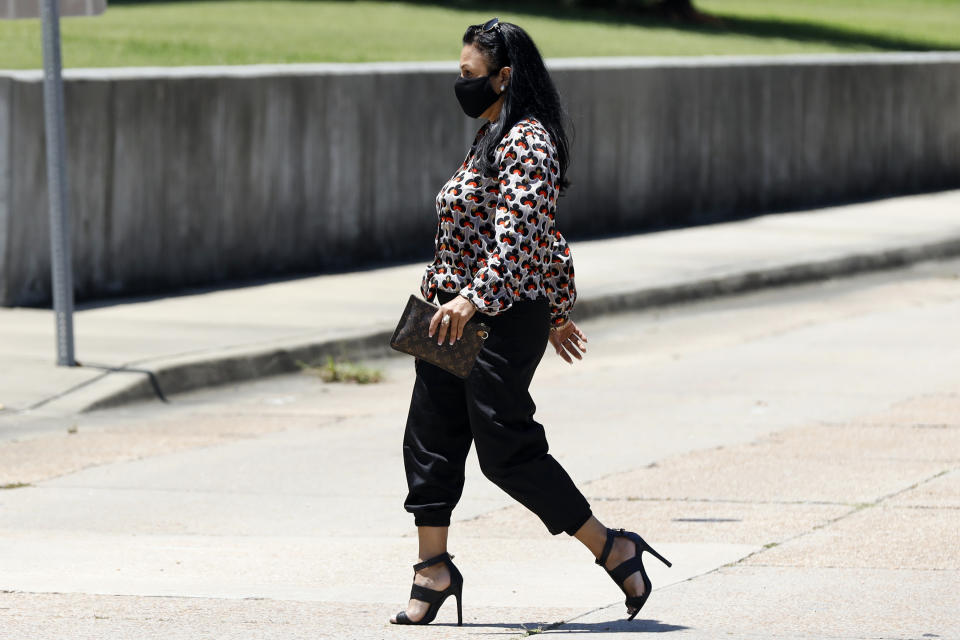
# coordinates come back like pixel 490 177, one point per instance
pixel 530 93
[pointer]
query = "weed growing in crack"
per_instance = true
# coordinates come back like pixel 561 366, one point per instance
pixel 342 372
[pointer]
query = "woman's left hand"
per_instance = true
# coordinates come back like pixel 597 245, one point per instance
pixel 459 310
pixel 569 340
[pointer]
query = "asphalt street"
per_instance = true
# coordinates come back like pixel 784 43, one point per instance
pixel 795 452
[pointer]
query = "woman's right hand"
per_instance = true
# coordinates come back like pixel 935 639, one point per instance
pixel 568 341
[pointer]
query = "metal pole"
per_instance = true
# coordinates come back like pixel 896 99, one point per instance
pixel 57 187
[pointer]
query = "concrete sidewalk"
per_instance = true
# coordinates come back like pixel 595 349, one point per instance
pixel 190 341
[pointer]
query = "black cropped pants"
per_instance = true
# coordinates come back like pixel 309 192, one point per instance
pixel 492 408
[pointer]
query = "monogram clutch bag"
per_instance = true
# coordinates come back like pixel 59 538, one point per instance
pixel 411 337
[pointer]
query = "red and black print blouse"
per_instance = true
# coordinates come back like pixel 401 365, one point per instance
pixel 497 240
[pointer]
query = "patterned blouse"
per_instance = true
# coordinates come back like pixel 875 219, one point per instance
pixel 496 240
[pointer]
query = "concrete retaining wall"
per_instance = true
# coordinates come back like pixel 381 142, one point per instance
pixel 189 176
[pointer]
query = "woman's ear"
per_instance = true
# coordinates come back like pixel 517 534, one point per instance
pixel 505 77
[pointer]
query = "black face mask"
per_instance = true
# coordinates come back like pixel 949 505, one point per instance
pixel 475 95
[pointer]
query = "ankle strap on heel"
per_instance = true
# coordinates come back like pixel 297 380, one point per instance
pixel 608 545
pixel 443 557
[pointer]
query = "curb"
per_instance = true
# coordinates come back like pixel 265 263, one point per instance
pixel 188 374
pixel 768 278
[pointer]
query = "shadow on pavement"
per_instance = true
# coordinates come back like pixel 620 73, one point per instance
pixel 618 626
pixel 717 24
pixel 614 626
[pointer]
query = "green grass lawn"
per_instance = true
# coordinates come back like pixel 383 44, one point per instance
pixel 236 32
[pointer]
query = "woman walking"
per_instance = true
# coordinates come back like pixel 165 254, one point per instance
pixel 499 252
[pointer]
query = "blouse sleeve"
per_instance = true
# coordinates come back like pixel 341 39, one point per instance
pixel 524 202
pixel 559 282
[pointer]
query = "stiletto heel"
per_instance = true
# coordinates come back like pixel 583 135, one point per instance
pixel 628 567
pixel 655 554
pixel 432 596
pixel 459 607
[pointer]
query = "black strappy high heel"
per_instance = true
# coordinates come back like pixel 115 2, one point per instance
pixel 625 569
pixel 432 596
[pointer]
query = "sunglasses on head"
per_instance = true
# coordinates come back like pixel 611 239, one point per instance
pixel 490 25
